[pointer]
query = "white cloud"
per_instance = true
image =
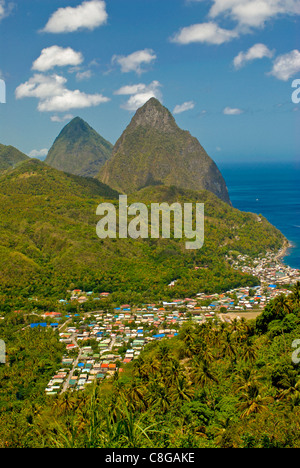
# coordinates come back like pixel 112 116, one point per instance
pixel 139 94
pixel 53 95
pixel 88 15
pixel 209 33
pixel 5 9
pixel 57 118
pixel 232 111
pixel 41 86
pixel 186 106
pixel 287 65
pixel 42 153
pixel 253 13
pixel 246 14
pixel 83 75
pixel 56 56
pixel 2 9
pixel 71 100
pixel 258 51
pixel 131 89
pixel 134 61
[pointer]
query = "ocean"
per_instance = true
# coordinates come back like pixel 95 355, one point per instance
pixel 270 189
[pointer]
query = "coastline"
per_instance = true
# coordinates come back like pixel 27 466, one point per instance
pixel 284 251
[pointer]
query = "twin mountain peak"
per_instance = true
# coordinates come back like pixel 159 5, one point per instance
pixel 152 150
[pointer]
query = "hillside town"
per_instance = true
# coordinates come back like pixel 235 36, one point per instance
pixel 99 344
pixel 269 269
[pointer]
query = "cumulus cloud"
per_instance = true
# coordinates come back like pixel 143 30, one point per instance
pixel 286 66
pixel 83 75
pixel 186 106
pixel 134 61
pixel 139 94
pixel 88 15
pixel 246 14
pixel 41 86
pixel 209 33
pixel 258 51
pixel 56 56
pixel 70 100
pixel 53 95
pixel 2 9
pixel 232 111
pixel 5 9
pixel 41 154
pixel 131 89
pixel 57 118
pixel 253 13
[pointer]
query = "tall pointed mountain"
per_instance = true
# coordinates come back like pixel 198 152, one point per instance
pixel 79 150
pixel 10 157
pixel 153 150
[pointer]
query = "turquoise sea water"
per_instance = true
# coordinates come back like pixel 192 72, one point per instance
pixel 270 189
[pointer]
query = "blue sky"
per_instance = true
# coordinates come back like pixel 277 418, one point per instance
pixel 224 67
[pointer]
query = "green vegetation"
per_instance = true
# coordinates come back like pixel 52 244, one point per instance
pixel 231 385
pixel 215 385
pixel 10 157
pixel 48 242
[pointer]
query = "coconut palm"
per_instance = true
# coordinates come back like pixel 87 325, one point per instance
pixel 202 375
pixel 249 351
pixel 136 394
pixel 246 378
pixel 182 391
pixel 295 297
pixel 252 402
pixel 282 305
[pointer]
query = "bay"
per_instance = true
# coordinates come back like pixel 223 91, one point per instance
pixel 270 189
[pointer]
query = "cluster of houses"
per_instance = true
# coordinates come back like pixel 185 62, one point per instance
pixel 117 339
pixel 99 344
pixel 269 269
pixel 241 299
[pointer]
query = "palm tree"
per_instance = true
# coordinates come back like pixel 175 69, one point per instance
pixel 291 392
pixel 164 352
pixel 252 402
pixel 295 297
pixel 152 366
pixel 202 376
pixel 225 437
pixel 138 367
pixel 249 351
pixel 158 396
pixel 246 378
pixel 228 348
pixel 188 337
pixel 66 403
pixel 136 394
pixel 65 436
pixel 182 391
pixel 174 370
pixel 282 305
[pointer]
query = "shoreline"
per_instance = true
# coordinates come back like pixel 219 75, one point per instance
pixel 284 251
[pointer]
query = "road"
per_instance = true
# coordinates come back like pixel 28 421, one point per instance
pixel 77 360
pixel 75 365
